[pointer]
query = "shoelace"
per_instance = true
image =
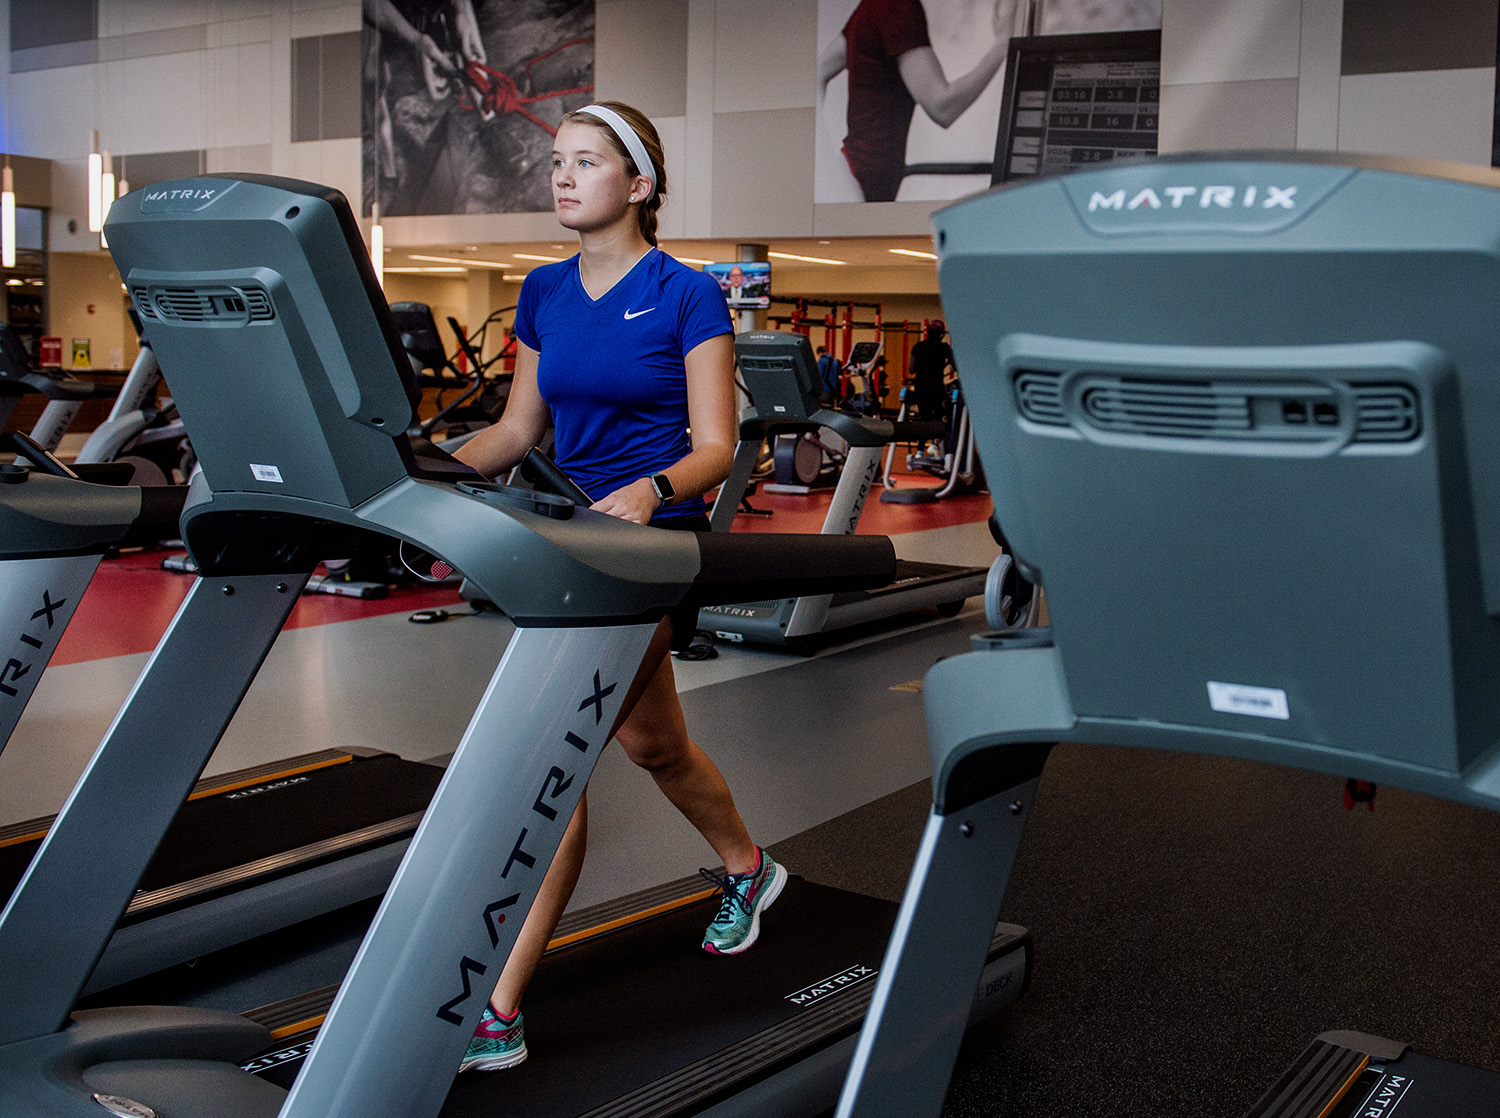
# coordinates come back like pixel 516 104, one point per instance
pixel 729 885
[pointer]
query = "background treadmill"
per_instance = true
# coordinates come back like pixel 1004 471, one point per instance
pixel 253 850
pixel 779 371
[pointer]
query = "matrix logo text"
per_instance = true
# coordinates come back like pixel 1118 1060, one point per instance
pixel 831 985
pixel 1221 197
pixel 197 193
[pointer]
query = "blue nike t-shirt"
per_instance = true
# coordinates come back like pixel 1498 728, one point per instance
pixel 611 369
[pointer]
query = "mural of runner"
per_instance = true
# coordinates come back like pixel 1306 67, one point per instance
pixel 880 61
pixel 462 99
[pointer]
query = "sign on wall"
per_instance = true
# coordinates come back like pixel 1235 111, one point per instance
pixel 909 91
pixel 462 99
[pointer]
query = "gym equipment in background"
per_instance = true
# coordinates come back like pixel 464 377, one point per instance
pixel 779 371
pixel 955 464
pixel 481 394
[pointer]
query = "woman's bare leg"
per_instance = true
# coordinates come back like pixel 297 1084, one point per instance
pixel 653 733
pixel 655 737
pixel 545 912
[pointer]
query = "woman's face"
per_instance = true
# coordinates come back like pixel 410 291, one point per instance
pixel 590 189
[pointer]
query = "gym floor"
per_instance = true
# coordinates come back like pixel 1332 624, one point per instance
pixel 1197 921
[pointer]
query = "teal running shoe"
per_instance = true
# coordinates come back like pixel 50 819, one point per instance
pixel 497 1043
pixel 746 895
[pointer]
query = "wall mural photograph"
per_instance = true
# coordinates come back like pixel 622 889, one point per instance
pixel 462 99
pixel 909 91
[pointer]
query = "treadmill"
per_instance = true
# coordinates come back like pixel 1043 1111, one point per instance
pixel 1260 473
pixel 65 394
pixel 779 371
pixel 252 850
pixel 300 422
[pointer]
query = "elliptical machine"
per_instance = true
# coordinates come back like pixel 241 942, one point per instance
pixel 482 396
pixel 954 461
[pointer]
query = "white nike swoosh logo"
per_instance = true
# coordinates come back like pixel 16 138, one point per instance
pixel 637 314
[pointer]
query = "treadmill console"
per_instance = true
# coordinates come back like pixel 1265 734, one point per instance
pixel 779 373
pixel 419 334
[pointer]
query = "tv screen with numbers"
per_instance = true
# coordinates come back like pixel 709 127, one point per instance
pixel 1076 100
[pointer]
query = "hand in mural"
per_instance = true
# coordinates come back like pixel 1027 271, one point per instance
pixel 470 45
pixel 437 67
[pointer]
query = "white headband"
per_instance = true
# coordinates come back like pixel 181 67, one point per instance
pixel 629 138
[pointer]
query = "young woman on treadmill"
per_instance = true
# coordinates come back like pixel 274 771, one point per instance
pixel 629 350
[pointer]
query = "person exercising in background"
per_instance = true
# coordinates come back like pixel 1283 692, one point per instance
pixel 828 373
pixel 627 350
pixel 931 358
pixel 892 69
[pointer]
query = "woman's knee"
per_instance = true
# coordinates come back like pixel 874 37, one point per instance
pixel 654 748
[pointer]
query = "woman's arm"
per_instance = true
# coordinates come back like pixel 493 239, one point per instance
pixel 711 415
pixel 946 101
pixel 831 61
pixel 499 447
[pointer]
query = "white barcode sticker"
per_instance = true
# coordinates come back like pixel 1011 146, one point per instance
pixel 1239 698
pixel 265 473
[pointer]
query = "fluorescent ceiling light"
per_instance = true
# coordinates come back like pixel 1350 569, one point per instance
pixel 528 256
pixel 7 217
pixel 914 252
pixel 456 260
pixel 96 196
pixel 690 259
pixel 377 246
pixel 408 271
pixel 805 259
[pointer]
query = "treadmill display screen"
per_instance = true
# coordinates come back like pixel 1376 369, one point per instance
pixel 1075 100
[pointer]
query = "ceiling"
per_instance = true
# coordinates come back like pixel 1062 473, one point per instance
pixel 856 252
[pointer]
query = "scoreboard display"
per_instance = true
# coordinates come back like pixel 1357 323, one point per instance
pixel 1073 100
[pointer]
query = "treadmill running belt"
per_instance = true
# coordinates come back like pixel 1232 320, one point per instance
pixel 613 1015
pixel 243 825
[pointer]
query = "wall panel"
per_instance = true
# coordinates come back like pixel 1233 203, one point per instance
pixel 1220 116
pixel 640 54
pixel 1434 114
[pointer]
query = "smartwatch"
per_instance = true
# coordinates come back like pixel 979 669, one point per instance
pixel 661 485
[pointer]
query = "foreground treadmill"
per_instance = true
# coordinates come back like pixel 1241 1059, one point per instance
pixel 778 369
pixel 1275 414
pixel 299 418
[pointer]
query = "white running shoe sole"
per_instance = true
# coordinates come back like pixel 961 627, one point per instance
pixel 494 1063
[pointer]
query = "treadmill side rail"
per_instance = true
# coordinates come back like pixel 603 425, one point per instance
pixel 37 600
pixel 49 942
pixel 404 1015
pixel 727 503
pixel 935 957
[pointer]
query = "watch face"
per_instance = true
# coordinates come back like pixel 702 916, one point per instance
pixel 663 486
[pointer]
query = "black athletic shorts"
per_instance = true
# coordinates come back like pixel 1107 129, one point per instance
pixel 684 618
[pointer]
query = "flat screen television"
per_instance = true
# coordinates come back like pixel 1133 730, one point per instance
pixel 746 283
pixel 1075 100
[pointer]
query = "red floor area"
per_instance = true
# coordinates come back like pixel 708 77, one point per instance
pixel 131 600
pixel 805 514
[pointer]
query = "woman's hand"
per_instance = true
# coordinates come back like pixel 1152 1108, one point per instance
pixel 636 502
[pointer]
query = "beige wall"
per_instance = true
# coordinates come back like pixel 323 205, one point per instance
pixel 76 282
pixel 730 83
